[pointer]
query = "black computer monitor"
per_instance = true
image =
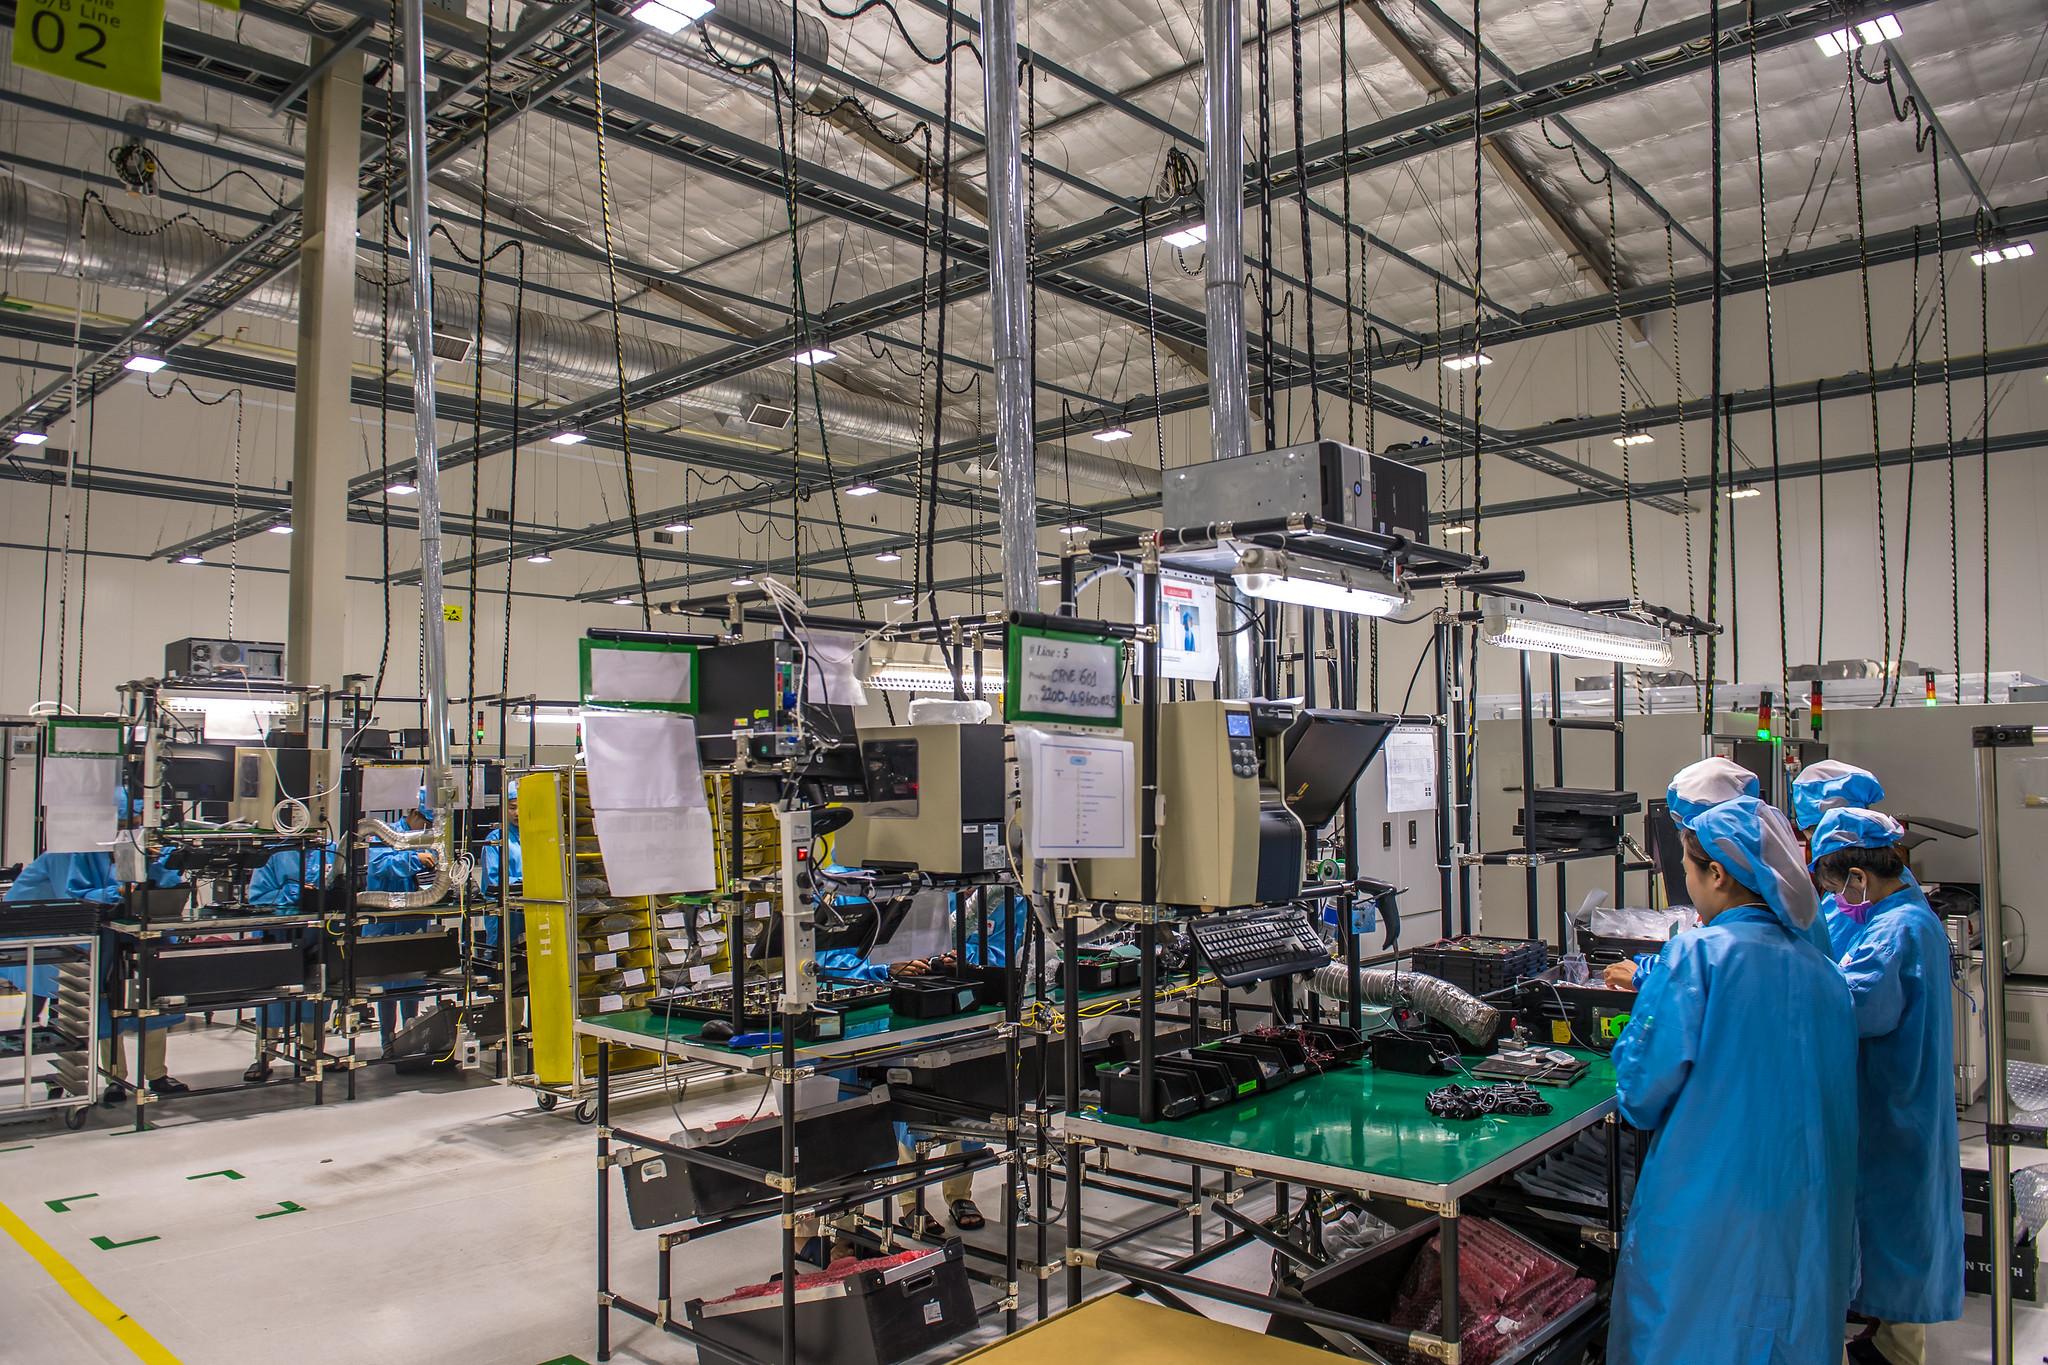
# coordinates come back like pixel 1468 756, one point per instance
pixel 203 773
pixel 1326 753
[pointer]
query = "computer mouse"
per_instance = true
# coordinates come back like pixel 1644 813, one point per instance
pixel 716 1030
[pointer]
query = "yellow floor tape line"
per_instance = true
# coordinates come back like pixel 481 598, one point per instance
pixel 83 1293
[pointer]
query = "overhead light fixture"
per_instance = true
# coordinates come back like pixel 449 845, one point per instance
pixel 283 528
pixel 1461 529
pixel 555 715
pixel 190 559
pixel 401 489
pixel 679 528
pixel 231 716
pixel 1745 491
pixel 671 16
pixel 1466 362
pixel 1835 42
pixel 1077 529
pixel 622 601
pixel 743 582
pixel 1635 438
pixel 862 490
pixel 540 557
pixel 1112 433
pixel 1051 580
pixel 568 438
pixel 144 364
pixel 2002 251
pixel 817 355
pixel 909 667
pixel 1193 235
pixel 887 557
pixel 1282 577
pixel 1545 628
pixel 902 601
pixel 30 438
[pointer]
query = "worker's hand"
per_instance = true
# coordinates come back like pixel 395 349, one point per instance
pixel 427 859
pixel 916 966
pixel 1621 976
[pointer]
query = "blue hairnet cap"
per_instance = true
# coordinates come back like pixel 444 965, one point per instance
pixel 1821 787
pixel 1853 827
pixel 1698 787
pixel 426 811
pixel 126 807
pixel 1760 850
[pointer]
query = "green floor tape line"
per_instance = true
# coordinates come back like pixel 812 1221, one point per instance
pixel 207 1175
pixel 108 1244
pixel 63 1205
pixel 566 1360
pixel 22 1148
pixel 284 1207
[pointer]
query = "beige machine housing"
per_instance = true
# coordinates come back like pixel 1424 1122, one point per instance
pixel 937 799
pixel 1210 821
pixel 308 775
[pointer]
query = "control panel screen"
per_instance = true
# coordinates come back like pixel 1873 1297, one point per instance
pixel 1238 725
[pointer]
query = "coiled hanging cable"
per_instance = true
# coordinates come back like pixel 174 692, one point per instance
pixel 1884 583
pixel 1714 402
pixel 1350 304
pixel 1948 439
pixel 1308 259
pixel 1478 366
pixel 1684 463
pixel 1266 311
pixel 1763 219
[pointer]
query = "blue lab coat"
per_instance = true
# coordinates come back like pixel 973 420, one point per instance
pixel 280 884
pixel 394 869
pixel 1005 932
pixel 500 858
pixel 1909 1217
pixel 81 877
pixel 1740 1244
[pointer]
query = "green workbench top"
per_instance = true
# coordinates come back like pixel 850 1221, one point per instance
pixel 1357 1128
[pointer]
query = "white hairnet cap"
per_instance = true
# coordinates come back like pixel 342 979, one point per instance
pixel 1699 787
pixel 1760 850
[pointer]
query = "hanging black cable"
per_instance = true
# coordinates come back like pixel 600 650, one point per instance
pixel 1884 583
pixel 1684 469
pixel 1984 437
pixel 1350 305
pixel 1912 471
pixel 927 578
pixel 1714 403
pixel 1763 220
pixel 1308 258
pixel 1621 377
pixel 1265 125
pixel 1478 365
pixel 1820 523
pixel 1948 438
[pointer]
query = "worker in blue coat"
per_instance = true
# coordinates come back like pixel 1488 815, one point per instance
pixel 1740 1243
pixel 280 884
pixel 1909 1218
pixel 501 865
pixel 400 869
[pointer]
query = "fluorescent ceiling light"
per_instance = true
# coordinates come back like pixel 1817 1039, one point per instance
pixel 144 364
pixel 190 559
pixel 30 438
pixel 902 601
pixel 1115 433
pixel 887 557
pixel 862 490
pixel 1281 577
pixel 568 438
pixel 540 557
pixel 902 666
pixel 817 355
pixel 283 528
pixel 1745 491
pixel 1466 362
pixel 2010 251
pixel 1459 530
pixel 1051 580
pixel 230 717
pixel 743 582
pixel 556 715
pixel 1837 41
pixel 1635 438
pixel 679 528
pixel 1193 235
pixel 671 16
pixel 1546 629
pixel 402 489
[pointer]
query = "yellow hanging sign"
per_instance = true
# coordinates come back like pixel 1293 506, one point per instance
pixel 452 611
pixel 116 45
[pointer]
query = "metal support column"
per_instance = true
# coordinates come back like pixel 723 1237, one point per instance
pixel 1010 305
pixel 1230 389
pixel 323 427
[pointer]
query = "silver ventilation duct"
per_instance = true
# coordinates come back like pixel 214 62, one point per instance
pixel 39 234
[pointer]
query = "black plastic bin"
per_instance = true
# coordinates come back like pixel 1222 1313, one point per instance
pixel 871 1317
pixel 833 1141
pixel 1479 964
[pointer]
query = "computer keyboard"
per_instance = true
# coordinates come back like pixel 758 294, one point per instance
pixel 1248 948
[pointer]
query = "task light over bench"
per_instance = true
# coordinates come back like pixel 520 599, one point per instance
pixel 1282 577
pixel 1547 628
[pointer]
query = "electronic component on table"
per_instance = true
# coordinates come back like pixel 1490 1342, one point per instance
pixel 935 800
pixel 753 693
pixel 1225 836
pixel 198 657
pixel 762 999
pixel 264 777
pixel 1225 1070
pixel 1510 1099
pixel 1414 1051
pixel 1480 965
pixel 1248 948
pixel 1539 1065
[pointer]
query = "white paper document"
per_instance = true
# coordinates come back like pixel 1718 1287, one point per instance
pixel 655 852
pixel 832 667
pixel 1410 756
pixel 78 804
pixel 641 760
pixel 1187 627
pixel 642 675
pixel 392 786
pixel 1079 795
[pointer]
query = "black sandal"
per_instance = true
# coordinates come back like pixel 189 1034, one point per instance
pixel 966 1216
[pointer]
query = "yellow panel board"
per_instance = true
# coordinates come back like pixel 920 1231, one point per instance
pixel 1134 1333
pixel 116 45
pixel 540 835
